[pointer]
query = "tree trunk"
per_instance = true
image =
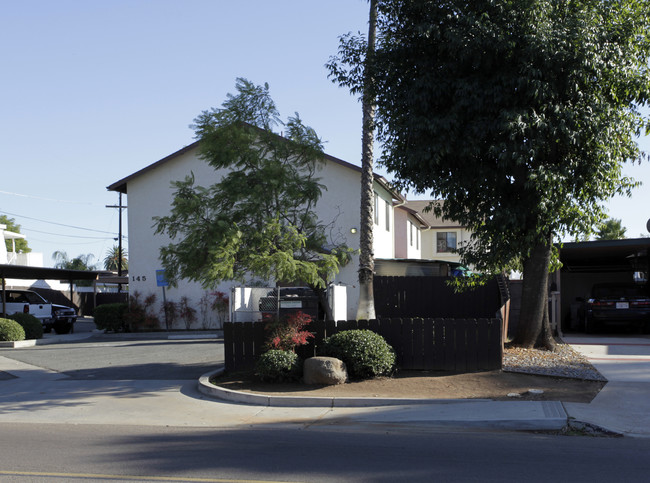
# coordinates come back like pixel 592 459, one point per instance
pixel 546 339
pixel 533 319
pixel 366 307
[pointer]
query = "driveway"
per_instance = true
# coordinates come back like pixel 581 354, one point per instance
pixel 622 405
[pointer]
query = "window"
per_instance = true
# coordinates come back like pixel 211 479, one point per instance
pixel 387 216
pixel 410 233
pixel 446 241
pixel 376 213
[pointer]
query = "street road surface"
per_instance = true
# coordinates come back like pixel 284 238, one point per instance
pixel 44 450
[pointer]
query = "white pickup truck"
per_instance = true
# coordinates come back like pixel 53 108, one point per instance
pixel 56 317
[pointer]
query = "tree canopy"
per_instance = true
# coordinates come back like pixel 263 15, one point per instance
pixel 611 229
pixel 81 262
pixel 20 244
pixel 519 114
pixel 113 260
pixel 258 219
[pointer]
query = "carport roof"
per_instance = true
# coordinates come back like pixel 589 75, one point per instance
pixel 603 255
pixel 38 273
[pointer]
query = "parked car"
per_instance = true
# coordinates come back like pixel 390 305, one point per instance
pixel 52 316
pixel 63 319
pixel 618 304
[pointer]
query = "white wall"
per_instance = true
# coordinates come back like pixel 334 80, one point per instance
pixel 3 246
pixel 413 240
pixel 150 194
pixel 384 230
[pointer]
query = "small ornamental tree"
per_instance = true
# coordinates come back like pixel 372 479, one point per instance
pixel 186 312
pixel 288 333
pixel 221 305
pixel 259 218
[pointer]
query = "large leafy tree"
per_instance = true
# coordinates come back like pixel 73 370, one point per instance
pixel 259 219
pixel 518 113
pixel 20 243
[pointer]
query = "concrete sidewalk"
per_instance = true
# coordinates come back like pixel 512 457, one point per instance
pixel 179 403
pixel 623 405
pixel 36 395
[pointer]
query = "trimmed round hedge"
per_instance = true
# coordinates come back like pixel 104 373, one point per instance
pixel 30 324
pixel 278 366
pixel 11 331
pixel 112 317
pixel 365 353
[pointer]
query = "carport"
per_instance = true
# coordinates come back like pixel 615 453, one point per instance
pixel 587 263
pixel 40 273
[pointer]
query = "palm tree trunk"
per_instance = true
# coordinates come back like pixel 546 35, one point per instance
pixel 366 307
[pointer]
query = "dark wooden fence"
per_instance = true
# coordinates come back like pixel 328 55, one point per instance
pixel 432 297
pixel 454 345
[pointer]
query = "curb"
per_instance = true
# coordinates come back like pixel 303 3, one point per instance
pixel 207 388
pixel 17 344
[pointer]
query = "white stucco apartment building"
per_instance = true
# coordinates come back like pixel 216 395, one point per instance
pixel 150 194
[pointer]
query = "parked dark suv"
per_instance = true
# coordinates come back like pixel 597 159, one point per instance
pixel 618 304
pixel 63 319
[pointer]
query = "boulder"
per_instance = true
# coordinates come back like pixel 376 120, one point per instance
pixel 324 370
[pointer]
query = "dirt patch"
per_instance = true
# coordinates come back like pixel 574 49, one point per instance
pixel 494 385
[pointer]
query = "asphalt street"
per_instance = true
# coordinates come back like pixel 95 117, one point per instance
pixel 125 407
pixel 70 453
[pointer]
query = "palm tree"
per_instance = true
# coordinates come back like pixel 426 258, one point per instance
pixel 81 262
pixel 113 261
pixel 366 308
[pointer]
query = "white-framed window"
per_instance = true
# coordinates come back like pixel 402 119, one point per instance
pixel 446 241
pixel 410 233
pixel 376 210
pixel 387 215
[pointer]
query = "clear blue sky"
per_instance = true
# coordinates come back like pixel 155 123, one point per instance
pixel 93 91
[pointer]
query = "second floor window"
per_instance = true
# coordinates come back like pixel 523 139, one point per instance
pixel 376 213
pixel 387 216
pixel 446 241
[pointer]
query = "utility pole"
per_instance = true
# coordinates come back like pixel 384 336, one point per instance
pixel 120 207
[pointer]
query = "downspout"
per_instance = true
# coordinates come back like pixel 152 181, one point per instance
pixel 4 301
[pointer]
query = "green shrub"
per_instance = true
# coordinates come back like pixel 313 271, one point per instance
pixel 365 353
pixel 10 330
pixel 111 317
pixel 277 366
pixel 31 325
